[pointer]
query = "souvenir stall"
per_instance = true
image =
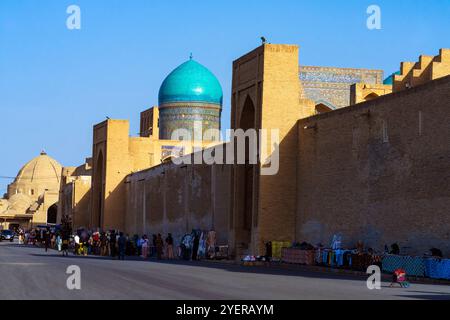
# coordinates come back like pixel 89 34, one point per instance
pixel 334 256
pixel 435 268
pixel 414 266
pixel 201 245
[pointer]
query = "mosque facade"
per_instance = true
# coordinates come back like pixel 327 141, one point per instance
pixel 345 152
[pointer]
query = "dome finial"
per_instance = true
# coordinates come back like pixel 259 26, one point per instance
pixel 191 56
pixel 43 153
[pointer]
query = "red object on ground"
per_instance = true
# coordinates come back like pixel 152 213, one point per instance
pixel 400 274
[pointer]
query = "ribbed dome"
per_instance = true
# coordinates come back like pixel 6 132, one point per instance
pixel 191 82
pixel 42 170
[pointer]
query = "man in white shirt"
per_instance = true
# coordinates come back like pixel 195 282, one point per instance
pixel 77 244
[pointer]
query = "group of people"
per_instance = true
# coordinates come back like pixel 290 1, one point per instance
pixel 45 237
pixel 159 247
pixel 112 243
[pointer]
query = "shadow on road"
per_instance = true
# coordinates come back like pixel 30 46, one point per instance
pixel 275 270
pixel 226 266
pixel 427 297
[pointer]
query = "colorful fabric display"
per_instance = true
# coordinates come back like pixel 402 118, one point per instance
pixel 437 268
pixel 414 266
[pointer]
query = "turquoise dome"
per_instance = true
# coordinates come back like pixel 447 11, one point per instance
pixel 191 82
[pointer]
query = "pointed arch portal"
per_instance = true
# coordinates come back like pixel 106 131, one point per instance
pixel 98 191
pixel 52 214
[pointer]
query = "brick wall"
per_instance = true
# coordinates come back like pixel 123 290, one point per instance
pixel 179 198
pixel 379 172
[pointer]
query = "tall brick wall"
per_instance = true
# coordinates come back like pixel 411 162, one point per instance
pixel 280 111
pixel 81 202
pixel 266 80
pixel 378 172
pixel 117 167
pixel 179 198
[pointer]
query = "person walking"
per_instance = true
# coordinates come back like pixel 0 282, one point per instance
pixel 91 247
pixel 77 244
pixel 159 246
pixel 40 237
pixel 53 241
pixel 122 242
pixel 211 244
pixel 96 243
pixel 103 245
pixel 144 247
pixel 130 246
pixel 65 245
pixel 59 242
pixel 112 244
pixel 195 247
pixel 47 239
pixel 169 243
pixel 138 241
pixel 84 244
pixel 21 238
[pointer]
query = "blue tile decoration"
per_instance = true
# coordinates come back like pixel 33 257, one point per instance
pixel 332 85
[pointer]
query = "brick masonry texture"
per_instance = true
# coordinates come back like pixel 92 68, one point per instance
pixel 379 172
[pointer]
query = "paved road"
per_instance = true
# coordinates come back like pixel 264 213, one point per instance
pixel 30 273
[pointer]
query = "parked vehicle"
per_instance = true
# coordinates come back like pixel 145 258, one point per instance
pixel 7 235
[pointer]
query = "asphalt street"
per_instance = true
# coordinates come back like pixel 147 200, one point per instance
pixel 31 273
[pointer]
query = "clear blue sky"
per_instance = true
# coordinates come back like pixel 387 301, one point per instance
pixel 55 84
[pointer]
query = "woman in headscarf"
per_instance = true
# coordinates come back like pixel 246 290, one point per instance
pixel 169 242
pixel 159 246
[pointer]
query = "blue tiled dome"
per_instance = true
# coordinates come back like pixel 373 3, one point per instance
pixel 191 82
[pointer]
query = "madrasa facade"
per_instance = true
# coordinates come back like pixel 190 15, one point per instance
pixel 359 155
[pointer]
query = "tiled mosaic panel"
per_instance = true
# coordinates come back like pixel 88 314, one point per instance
pixel 332 85
pixel 171 119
